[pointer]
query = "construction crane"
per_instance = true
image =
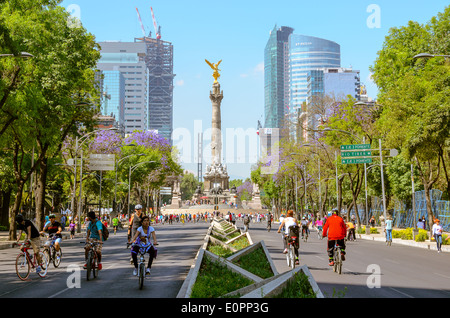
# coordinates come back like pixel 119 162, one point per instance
pixel 140 21
pixel 157 29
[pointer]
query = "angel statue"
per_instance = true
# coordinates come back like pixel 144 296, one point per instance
pixel 216 69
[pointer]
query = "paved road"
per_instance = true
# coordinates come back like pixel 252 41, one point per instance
pixel 403 271
pixel 178 245
pixel 399 271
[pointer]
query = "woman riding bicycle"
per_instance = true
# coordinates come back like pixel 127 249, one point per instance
pixel 142 235
pixel 286 224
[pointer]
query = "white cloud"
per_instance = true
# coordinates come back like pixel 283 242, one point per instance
pixel 259 68
pixel 179 83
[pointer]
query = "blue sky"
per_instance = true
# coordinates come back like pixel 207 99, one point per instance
pixel 236 32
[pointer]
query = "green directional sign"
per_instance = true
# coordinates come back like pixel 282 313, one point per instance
pixel 356 154
pixel 355 147
pixel 356 160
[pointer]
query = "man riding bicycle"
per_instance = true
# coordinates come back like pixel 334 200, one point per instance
pixel 288 222
pixel 94 234
pixel 336 230
pixel 32 236
pixel 54 229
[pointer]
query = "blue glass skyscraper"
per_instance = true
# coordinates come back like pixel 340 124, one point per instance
pixel 307 53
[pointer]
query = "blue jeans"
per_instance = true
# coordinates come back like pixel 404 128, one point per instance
pixel 388 235
pixel 438 239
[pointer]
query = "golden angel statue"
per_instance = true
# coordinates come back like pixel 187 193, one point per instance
pixel 216 69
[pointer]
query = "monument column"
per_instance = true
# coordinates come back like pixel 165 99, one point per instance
pixel 216 97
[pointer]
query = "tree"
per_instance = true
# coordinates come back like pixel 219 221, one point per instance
pixel 415 94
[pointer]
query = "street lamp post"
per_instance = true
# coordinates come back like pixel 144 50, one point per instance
pixel 132 168
pixel 78 147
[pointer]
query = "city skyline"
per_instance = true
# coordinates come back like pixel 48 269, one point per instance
pixel 236 32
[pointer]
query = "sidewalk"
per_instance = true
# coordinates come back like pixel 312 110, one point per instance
pixel 431 245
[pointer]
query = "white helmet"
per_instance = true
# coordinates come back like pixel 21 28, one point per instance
pixel 138 207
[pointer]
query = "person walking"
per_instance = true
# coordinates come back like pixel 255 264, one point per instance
pixel 437 233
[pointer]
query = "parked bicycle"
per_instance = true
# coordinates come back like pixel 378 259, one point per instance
pixel 25 262
pixel 92 260
pixel 337 259
pixel 142 264
pixel 51 253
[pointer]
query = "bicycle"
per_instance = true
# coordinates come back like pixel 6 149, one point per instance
pixel 51 253
pixel 305 234
pixel 92 260
pixel 319 233
pixel 292 242
pixel 24 263
pixel 142 265
pixel 337 259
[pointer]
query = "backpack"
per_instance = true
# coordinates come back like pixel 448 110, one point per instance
pixel 105 231
pixel 294 232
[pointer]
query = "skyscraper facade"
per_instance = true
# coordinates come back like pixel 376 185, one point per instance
pixel 308 53
pixel 159 61
pixel 276 77
pixel 113 95
pixel 127 58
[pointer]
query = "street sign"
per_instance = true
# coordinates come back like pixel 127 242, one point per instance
pixel 355 147
pixel 102 162
pixel 356 153
pixel 356 160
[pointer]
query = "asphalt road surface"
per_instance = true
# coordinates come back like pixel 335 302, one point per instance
pixel 178 245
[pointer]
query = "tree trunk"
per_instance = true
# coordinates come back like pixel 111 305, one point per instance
pixel 4 207
pixel 40 194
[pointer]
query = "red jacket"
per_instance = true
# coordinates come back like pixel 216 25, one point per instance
pixel 335 227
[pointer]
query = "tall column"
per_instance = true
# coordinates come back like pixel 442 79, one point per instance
pixel 216 97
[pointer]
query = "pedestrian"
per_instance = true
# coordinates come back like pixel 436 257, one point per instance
pixel 372 221
pixel 246 222
pixel 421 223
pixel 72 229
pixel 437 233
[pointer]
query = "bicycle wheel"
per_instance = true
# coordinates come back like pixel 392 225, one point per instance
pixel 89 265
pixel 23 267
pixel 47 254
pixel 94 265
pixel 292 256
pixel 337 261
pixel 57 255
pixel 141 275
pixel 43 264
pixel 288 258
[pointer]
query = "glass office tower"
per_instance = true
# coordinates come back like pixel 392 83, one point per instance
pixel 276 77
pixel 308 53
pixel 113 91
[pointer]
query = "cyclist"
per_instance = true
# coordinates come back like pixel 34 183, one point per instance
pixel 143 236
pixel 319 224
pixel 305 229
pixel 351 231
pixel 286 224
pixel 53 228
pixel 388 229
pixel 32 236
pixel 135 221
pixel 336 230
pixel 94 234
pixel 115 222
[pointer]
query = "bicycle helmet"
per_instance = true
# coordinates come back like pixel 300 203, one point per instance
pixel 52 216
pixel 138 207
pixel 19 218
